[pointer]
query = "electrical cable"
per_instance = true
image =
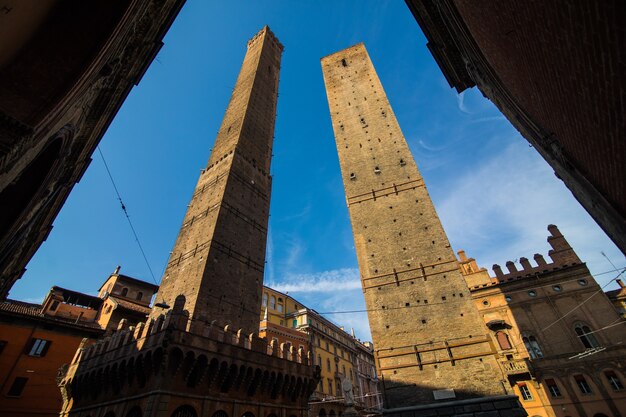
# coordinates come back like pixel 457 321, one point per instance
pixel 119 197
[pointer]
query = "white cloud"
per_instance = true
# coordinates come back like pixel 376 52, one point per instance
pixel 321 282
pixel 500 209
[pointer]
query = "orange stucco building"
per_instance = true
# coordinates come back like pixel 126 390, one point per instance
pixel 36 340
pixel 34 345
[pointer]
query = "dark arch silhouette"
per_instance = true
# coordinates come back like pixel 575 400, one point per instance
pixel 185 411
pixel 135 412
pixel 15 198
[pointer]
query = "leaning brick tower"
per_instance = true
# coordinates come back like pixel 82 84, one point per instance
pixel 199 354
pixel 218 259
pixel 431 344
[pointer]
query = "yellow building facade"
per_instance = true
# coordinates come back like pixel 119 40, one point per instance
pixel 338 353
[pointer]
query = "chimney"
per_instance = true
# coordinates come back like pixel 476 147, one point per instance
pixel 462 256
pixel 117 270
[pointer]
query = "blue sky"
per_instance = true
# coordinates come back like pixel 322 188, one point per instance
pixel 494 194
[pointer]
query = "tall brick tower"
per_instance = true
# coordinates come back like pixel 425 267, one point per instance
pixel 199 353
pixel 218 259
pixel 430 341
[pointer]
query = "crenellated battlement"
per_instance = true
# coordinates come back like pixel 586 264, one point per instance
pixel 204 354
pixel 561 254
pixel 271 36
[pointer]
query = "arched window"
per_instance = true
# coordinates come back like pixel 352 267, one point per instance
pixel 185 411
pixel 582 383
pixel 124 292
pixel 139 295
pixel 503 340
pixel 247 414
pixel 220 413
pixel 273 302
pixel 532 346
pixel 328 364
pixel 319 360
pixel 264 302
pixel 322 412
pixel 614 380
pixel 586 336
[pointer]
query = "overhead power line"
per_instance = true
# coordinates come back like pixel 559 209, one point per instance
pixel 130 223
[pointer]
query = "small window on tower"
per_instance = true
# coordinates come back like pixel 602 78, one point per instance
pixel 344 63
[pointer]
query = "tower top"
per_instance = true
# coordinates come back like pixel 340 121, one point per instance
pixel 266 32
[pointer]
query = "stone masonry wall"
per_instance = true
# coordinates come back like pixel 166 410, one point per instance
pixel 219 256
pixel 427 332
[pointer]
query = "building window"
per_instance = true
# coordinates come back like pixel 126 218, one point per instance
pixel 124 292
pixel 38 347
pixel 17 387
pixel 319 342
pixel 582 384
pixel 507 298
pixel 532 293
pixel 586 337
pixel 321 385
pixel 330 386
pixel 282 322
pixel 503 340
pixel 525 391
pixel 54 305
pixel 264 300
pixel 335 349
pixel 614 380
pixel 3 344
pixel 553 387
pixel 532 346
pixel 328 364
pixel 319 360
pixel 557 288
pixel 327 347
pixel 582 282
pixel 139 296
pixel 343 367
pixel 294 323
pixel 273 302
pixel 280 308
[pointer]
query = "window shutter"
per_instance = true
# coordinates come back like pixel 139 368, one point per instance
pixel 45 348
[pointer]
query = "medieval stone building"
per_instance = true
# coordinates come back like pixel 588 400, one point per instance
pixel 198 354
pixel 430 342
pixel 558 336
pixel 66 67
pixel 556 71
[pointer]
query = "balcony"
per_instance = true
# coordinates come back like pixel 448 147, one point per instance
pixel 516 367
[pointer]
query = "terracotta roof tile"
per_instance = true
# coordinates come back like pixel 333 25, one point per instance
pixel 129 305
pixel 22 308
